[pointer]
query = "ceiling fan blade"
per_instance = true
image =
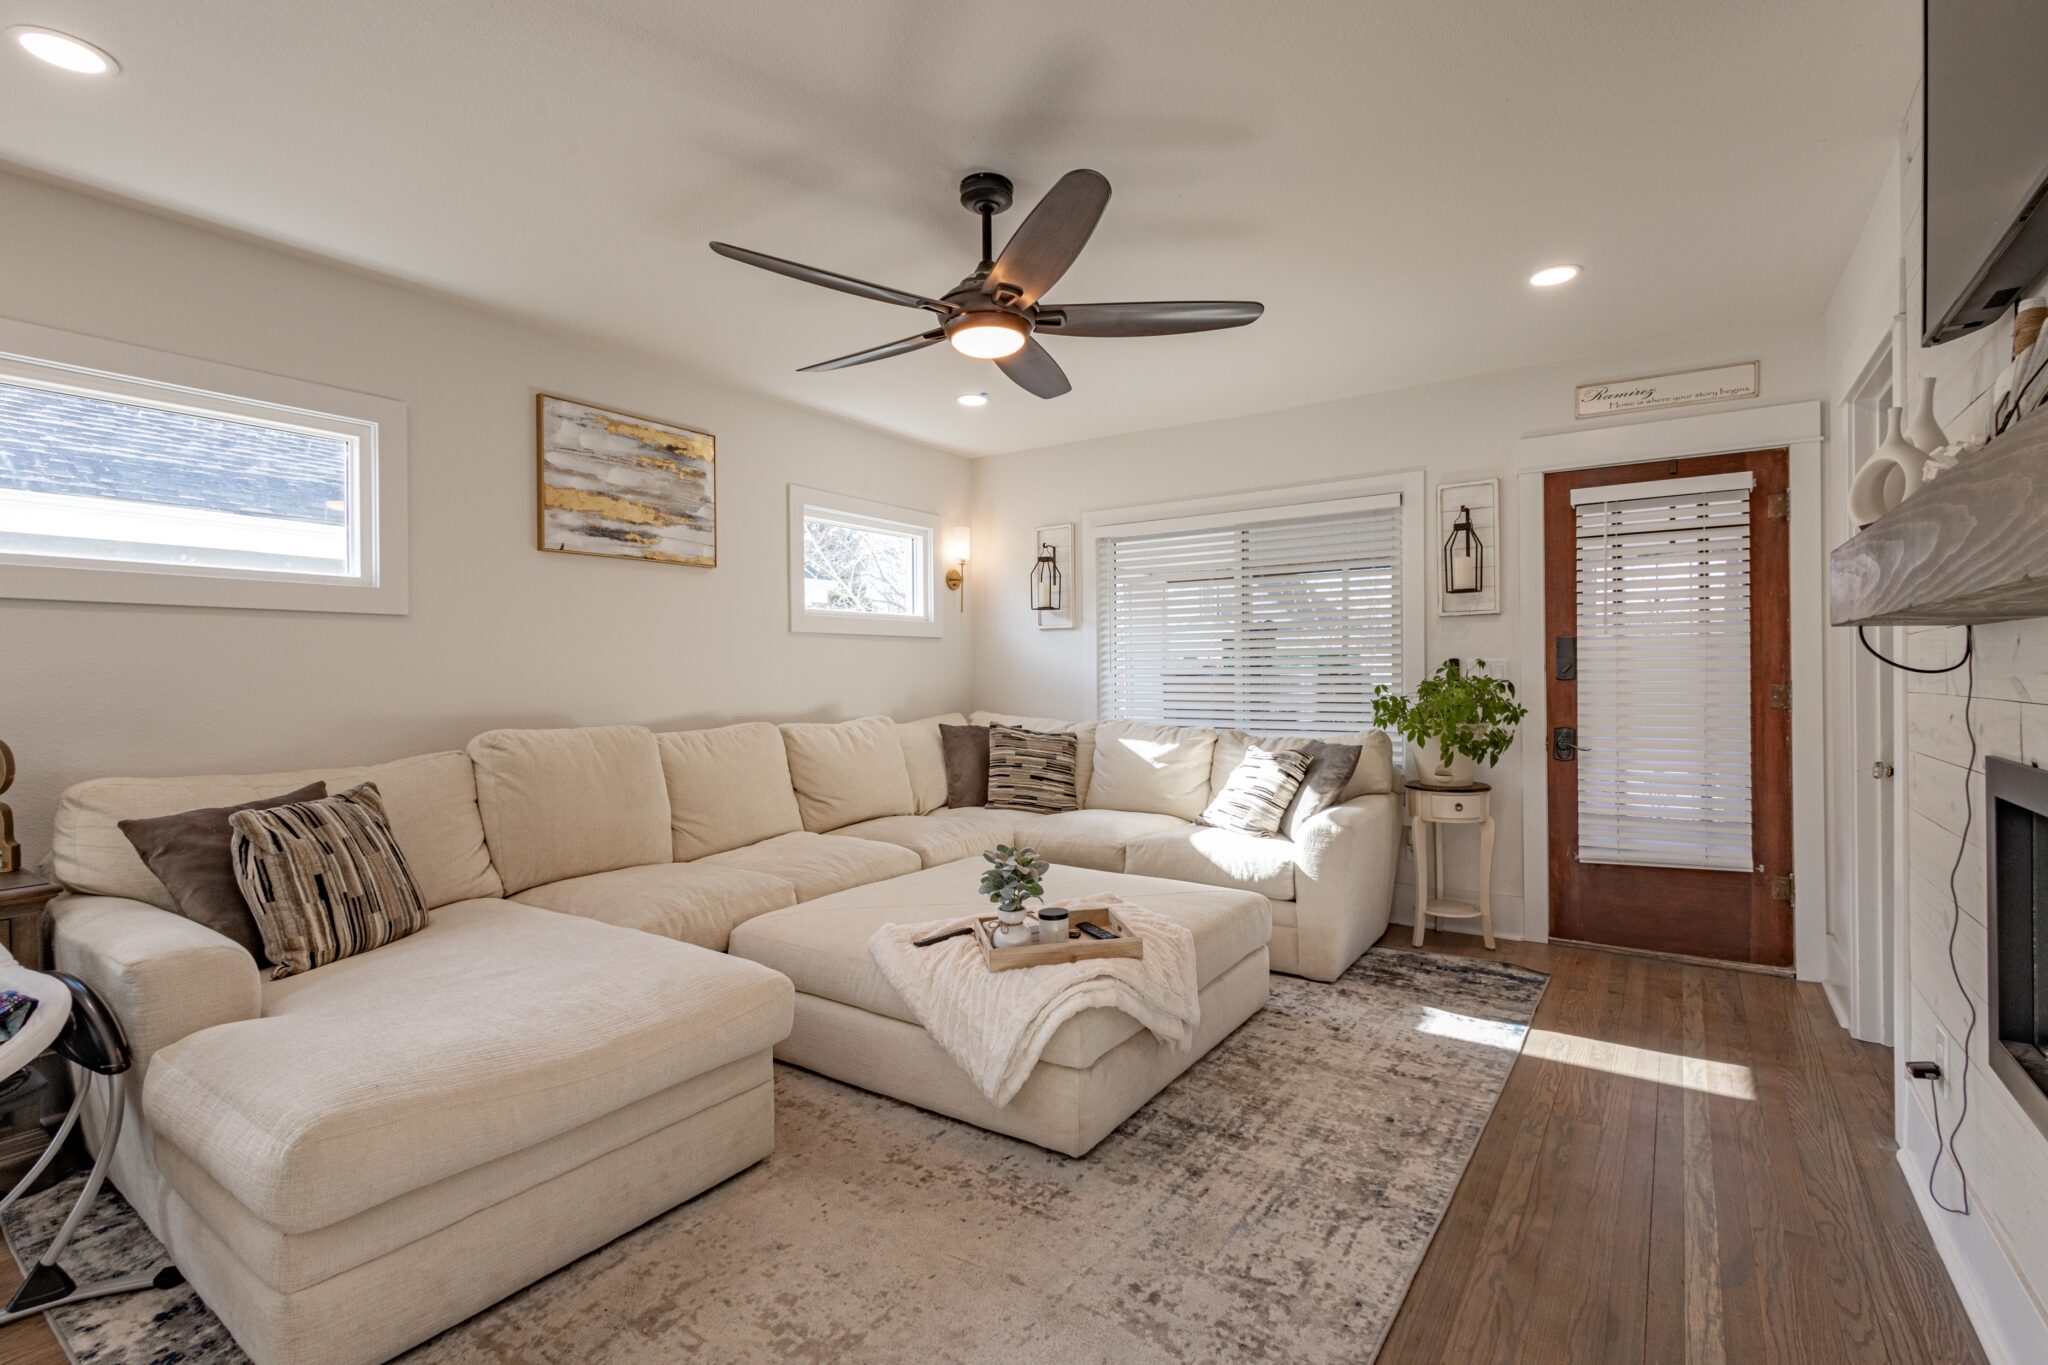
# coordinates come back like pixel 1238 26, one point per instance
pixel 1040 251
pixel 845 284
pixel 1035 371
pixel 903 347
pixel 1145 319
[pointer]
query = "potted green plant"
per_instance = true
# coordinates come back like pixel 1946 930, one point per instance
pixel 1012 881
pixel 1457 720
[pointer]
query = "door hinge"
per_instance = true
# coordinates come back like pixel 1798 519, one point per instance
pixel 1778 506
pixel 1781 889
pixel 1781 696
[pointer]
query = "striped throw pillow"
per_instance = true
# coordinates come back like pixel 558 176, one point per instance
pixel 1031 770
pixel 325 879
pixel 1260 789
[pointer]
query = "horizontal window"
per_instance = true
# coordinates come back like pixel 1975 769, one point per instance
pixel 861 568
pixel 135 486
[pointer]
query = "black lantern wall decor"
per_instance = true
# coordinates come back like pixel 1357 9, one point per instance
pixel 1464 556
pixel 1045 580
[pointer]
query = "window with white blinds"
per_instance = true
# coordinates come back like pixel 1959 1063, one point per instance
pixel 1664 672
pixel 1280 621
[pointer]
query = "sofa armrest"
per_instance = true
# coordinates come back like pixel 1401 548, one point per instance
pixel 163 976
pixel 1345 860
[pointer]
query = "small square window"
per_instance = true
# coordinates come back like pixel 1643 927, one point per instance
pixel 858 567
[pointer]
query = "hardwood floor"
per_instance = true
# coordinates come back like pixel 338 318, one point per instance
pixel 1628 1202
pixel 1688 1164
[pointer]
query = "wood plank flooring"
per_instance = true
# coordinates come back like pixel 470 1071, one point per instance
pixel 1625 1206
pixel 1630 1201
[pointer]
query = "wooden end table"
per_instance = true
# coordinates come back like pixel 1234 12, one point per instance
pixel 1428 806
pixel 23 895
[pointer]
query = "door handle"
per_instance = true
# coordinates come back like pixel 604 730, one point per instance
pixel 1564 744
pixel 1881 770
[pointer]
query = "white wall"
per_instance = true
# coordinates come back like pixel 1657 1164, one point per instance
pixel 499 633
pixel 1998 1255
pixel 1463 429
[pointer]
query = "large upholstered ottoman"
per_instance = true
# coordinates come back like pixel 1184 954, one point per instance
pixel 1099 1069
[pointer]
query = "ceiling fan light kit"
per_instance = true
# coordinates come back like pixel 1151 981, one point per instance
pixel 994 313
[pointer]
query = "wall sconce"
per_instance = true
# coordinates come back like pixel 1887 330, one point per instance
pixel 957 546
pixel 1045 580
pixel 1464 556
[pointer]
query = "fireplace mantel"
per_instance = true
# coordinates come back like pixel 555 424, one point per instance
pixel 1968 548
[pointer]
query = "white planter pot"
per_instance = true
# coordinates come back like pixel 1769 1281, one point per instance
pixel 1433 771
pixel 1014 931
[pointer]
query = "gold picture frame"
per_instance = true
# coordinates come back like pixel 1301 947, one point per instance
pixel 618 485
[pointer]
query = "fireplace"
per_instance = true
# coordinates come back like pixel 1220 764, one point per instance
pixel 2016 901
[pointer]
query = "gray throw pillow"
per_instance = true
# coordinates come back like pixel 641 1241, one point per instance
pixel 189 853
pixel 1330 769
pixel 965 750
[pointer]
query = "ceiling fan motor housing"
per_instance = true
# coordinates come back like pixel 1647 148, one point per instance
pixel 987 192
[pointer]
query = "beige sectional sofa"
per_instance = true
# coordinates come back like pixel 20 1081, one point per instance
pixel 347 1161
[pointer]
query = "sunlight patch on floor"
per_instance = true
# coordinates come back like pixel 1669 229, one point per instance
pixel 1726 1079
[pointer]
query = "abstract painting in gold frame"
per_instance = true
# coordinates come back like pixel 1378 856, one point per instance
pixel 624 487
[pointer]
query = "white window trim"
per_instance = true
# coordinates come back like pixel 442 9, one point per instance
pixel 884 516
pixel 1277 504
pixel 93 365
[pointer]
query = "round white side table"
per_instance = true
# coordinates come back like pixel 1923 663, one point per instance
pixel 1428 806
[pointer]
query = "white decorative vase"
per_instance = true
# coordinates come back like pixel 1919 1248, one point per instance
pixel 1923 431
pixel 1433 771
pixel 1890 476
pixel 1013 930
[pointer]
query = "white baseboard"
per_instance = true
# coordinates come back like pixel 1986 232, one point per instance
pixel 1839 1003
pixel 2010 1325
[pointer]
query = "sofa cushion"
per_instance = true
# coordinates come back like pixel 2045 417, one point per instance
pixel 926 760
pixel 1216 857
pixel 848 772
pixel 1082 731
pixel 943 836
pixel 564 803
pixel 1140 766
pixel 335 1100
pixel 429 799
pixel 823 947
pixel 818 864
pixel 695 902
pixel 1374 773
pixel 1090 838
pixel 727 788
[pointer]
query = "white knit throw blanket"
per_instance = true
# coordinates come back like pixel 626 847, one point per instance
pixel 997 1024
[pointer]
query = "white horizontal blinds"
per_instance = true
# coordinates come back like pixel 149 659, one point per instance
pixel 1664 673
pixel 1279 625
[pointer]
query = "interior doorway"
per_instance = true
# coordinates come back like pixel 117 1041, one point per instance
pixel 1669 773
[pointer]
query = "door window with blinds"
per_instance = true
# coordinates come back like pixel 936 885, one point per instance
pixel 1280 620
pixel 1664 766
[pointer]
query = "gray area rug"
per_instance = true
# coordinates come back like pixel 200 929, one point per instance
pixel 1271 1205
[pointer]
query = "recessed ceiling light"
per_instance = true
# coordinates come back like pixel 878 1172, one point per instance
pixel 1551 275
pixel 63 50
pixel 972 400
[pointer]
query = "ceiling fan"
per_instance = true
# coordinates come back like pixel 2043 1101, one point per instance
pixel 994 312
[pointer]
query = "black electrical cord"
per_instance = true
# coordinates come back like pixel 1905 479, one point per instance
pixel 1946 1143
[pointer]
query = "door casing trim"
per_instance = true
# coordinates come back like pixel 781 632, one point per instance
pixel 1798 428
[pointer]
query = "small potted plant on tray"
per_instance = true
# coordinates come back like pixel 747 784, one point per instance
pixel 1012 881
pixel 1457 720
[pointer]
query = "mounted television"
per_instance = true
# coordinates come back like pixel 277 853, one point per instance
pixel 1985 170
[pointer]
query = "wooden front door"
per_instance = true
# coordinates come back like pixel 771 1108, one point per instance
pixel 1665 835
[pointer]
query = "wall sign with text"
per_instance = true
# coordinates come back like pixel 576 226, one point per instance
pixel 1720 384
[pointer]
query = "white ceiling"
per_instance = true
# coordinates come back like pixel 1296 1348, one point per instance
pixel 1383 176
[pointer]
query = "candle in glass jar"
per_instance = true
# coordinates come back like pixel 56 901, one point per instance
pixel 1464 573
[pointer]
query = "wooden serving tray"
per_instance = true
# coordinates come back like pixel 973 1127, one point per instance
pixel 1078 947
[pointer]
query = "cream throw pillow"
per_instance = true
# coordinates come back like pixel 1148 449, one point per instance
pixel 1162 769
pixel 848 772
